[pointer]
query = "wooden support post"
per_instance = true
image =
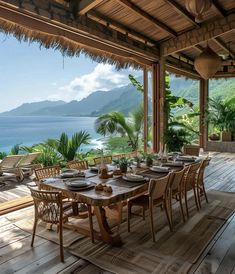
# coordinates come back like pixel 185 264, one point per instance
pixel 155 100
pixel 162 91
pixel 145 77
pixel 203 130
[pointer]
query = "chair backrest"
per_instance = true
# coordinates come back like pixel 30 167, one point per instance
pixel 176 179
pixel 106 159
pixel 11 161
pixel 118 156
pixel 159 187
pixel 201 170
pixel 79 165
pixel 48 205
pixel 191 176
pixel 29 158
pixel 191 150
pixel 47 172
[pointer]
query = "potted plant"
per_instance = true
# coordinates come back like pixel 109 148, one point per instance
pixel 148 159
pixel 138 160
pixel 123 164
pixel 221 115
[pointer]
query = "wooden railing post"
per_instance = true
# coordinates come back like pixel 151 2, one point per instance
pixel 203 130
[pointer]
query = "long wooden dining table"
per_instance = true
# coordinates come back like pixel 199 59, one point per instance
pixel 102 202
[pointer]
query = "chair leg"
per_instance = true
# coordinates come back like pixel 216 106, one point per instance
pixel 166 208
pixel 34 230
pixel 195 197
pixel 198 196
pixel 91 223
pixel 181 207
pixel 128 216
pixel 119 209
pixel 151 220
pixel 61 242
pixel 143 213
pixel 204 191
pixel 186 203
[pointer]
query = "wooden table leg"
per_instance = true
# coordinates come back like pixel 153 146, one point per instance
pixel 106 234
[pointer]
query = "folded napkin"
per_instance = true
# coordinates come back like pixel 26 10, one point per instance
pixel 133 176
pixel 186 158
pixel 160 168
pixel 174 164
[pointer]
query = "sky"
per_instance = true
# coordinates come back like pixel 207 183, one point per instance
pixel 29 73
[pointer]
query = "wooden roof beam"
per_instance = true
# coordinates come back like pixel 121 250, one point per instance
pixel 85 5
pixel 109 21
pixel 222 45
pixel 182 11
pixel 141 13
pixel 191 38
pixel 218 8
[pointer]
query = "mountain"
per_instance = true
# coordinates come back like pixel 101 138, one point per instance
pixel 93 103
pixel 122 99
pixel 28 108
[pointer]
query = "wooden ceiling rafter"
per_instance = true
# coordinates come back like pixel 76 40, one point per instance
pixel 207 31
pixel 218 8
pixel 182 11
pixel 223 46
pixel 127 30
pixel 143 14
pixel 86 5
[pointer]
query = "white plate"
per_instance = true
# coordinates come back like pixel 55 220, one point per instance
pixel 77 183
pixel 159 169
pixel 133 178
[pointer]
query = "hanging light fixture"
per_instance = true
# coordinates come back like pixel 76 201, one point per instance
pixel 207 63
pixel 197 8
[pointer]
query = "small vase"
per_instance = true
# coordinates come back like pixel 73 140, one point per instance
pixel 149 162
pixel 123 168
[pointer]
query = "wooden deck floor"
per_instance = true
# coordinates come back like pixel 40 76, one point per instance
pixel 16 256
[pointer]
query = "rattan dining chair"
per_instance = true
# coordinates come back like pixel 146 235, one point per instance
pixel 48 206
pixel 157 196
pixel 190 183
pixel 200 182
pixel 176 192
pixel 47 172
pixel 106 160
pixel 191 150
pixel 79 165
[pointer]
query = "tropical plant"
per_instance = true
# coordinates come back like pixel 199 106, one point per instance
pixel 15 149
pixel 116 123
pixel 176 138
pixel 2 155
pixel 221 113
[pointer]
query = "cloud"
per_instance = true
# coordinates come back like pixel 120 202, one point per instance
pixel 103 77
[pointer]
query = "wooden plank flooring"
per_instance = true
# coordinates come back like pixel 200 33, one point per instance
pixel 16 255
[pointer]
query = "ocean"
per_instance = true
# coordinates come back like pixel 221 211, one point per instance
pixel 29 130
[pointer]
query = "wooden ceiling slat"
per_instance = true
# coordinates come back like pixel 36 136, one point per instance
pixel 85 5
pixel 141 13
pixel 116 24
pixel 177 7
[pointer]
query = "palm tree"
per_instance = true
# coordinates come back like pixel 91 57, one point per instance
pixel 221 113
pixel 69 147
pixel 116 123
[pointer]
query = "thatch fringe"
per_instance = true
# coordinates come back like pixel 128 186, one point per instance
pixel 64 45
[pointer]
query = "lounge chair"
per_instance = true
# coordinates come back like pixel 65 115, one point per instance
pixel 9 169
pixel 26 163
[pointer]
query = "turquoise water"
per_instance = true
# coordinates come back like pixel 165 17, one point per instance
pixel 27 131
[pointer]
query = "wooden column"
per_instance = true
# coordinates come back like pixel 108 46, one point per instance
pixel 203 130
pixel 155 100
pixel 145 77
pixel 159 119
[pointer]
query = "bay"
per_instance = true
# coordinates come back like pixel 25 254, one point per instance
pixel 29 130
